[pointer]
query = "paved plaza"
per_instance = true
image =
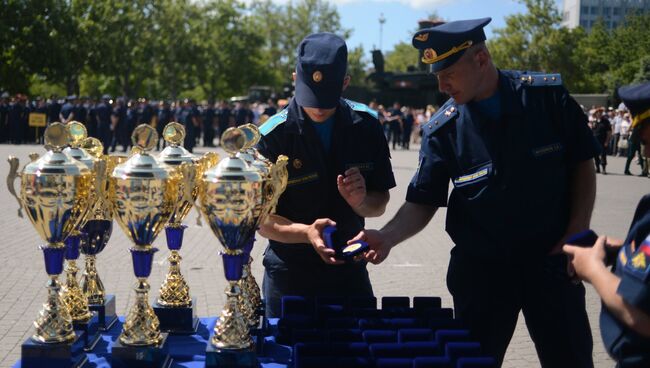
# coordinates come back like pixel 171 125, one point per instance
pixel 417 267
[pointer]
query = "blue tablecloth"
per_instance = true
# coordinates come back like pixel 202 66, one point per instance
pixel 186 350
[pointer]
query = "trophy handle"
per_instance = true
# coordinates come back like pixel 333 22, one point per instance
pixel 11 179
pixel 33 156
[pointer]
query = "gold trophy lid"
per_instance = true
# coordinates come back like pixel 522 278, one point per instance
pixel 232 168
pixel 78 134
pixel 175 154
pixel 55 162
pixel 142 165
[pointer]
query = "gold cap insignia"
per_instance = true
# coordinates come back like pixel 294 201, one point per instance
pixel 422 37
pixel 297 164
pixel 429 56
pixel 317 76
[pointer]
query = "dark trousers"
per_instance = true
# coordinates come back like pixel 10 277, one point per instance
pixel 310 279
pixel 488 297
pixel 601 158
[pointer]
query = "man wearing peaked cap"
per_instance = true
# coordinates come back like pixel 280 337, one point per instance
pixel 625 290
pixel 519 154
pixel 339 173
pixel 638 98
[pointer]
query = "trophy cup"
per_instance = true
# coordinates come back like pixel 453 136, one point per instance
pixel 54 192
pixel 71 294
pixel 227 197
pixel 175 307
pixel 98 230
pixel 251 301
pixel 143 193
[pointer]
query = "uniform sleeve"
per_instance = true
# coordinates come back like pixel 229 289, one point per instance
pixel 635 282
pixel 581 144
pixel 269 146
pixel 382 178
pixel 430 184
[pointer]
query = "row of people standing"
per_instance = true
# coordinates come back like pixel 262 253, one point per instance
pixel 112 120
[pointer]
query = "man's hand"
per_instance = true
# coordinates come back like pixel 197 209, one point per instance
pixel 352 187
pixel 379 247
pixel 588 261
pixel 315 236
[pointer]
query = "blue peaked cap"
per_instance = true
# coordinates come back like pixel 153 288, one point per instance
pixel 444 44
pixel 637 99
pixel 320 70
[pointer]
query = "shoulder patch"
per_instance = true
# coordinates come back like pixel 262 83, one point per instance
pixel 639 261
pixel 273 122
pixel 358 106
pixel 540 79
pixel 445 114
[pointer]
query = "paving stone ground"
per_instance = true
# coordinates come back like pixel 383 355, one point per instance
pixel 417 267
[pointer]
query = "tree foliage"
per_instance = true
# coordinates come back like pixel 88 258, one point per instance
pixel 401 58
pixel 160 48
pixel 589 63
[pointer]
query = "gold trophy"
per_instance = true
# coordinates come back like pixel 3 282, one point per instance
pixel 272 186
pixel 175 307
pixel 71 293
pixel 97 232
pixel 228 195
pixel 143 193
pixel 54 192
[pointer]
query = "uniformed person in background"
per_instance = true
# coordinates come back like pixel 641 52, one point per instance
pixel 339 173
pixel 625 317
pixel 67 110
pixel 208 124
pixel 103 122
pixel 519 153
pixel 164 117
pixel 4 112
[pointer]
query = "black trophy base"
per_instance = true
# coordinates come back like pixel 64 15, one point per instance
pixel 105 312
pixel 126 356
pixel 38 355
pixel 215 357
pixel 179 320
pixel 91 334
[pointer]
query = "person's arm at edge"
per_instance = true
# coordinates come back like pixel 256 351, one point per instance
pixel 590 266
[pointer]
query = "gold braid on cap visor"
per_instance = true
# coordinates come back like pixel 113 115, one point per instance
pixel 430 56
pixel 636 121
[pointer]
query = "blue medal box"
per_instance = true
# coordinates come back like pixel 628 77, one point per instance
pixel 336 332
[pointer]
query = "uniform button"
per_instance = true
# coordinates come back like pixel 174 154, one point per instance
pixel 435 122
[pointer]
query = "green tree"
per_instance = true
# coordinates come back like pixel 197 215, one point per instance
pixel 403 56
pixel 357 66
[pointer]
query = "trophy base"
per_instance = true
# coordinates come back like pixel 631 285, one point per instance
pixel 177 320
pixel 127 356
pixel 215 357
pixel 38 355
pixel 91 334
pixel 105 312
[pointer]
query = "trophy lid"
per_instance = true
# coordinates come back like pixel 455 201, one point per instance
pixel 232 168
pixel 142 165
pixel 78 134
pixel 174 154
pixel 55 162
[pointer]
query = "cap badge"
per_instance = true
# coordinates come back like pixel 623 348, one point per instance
pixel 317 76
pixel 297 164
pixel 422 37
pixel 429 56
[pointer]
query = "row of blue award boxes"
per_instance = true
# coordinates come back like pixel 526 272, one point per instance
pixel 312 332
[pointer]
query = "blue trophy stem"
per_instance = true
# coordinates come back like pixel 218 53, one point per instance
pixel 72 243
pixel 233 266
pixel 53 259
pixel 142 261
pixel 174 233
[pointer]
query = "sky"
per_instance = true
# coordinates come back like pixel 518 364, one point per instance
pixel 362 16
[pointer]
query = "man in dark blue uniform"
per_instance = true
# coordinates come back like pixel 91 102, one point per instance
pixel 208 125
pixel 4 112
pixel 519 153
pixel 339 173
pixel 103 122
pixel 53 110
pixel 165 117
pixel 225 118
pixel 625 317
pixel 67 110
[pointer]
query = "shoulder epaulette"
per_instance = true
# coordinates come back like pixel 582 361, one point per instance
pixel 273 122
pixel 540 79
pixel 358 106
pixel 446 113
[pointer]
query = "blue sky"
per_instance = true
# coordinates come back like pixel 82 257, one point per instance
pixel 362 16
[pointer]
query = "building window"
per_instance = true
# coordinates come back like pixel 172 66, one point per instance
pixel 594 10
pixel 617 11
pixel 584 10
pixel 614 24
pixel 606 10
pixel 584 23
